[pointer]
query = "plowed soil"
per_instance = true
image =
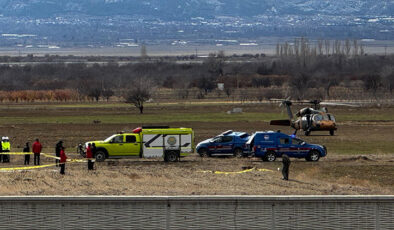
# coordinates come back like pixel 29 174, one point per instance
pixel 360 156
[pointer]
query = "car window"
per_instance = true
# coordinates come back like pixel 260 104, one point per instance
pixel 117 139
pixel 130 139
pixel 217 139
pixel 284 141
pixel 227 139
pixel 244 136
pixel 297 141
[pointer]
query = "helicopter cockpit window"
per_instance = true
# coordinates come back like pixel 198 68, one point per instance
pixel 284 141
pixel 318 117
pixel 331 117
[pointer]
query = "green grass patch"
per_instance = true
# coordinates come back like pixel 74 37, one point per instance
pixel 365 117
pixel 356 147
pixel 144 118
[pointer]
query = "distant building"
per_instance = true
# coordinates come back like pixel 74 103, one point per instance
pixel 221 86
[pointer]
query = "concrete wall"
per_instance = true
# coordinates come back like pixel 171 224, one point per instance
pixel 198 212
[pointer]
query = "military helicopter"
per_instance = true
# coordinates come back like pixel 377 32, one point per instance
pixel 310 119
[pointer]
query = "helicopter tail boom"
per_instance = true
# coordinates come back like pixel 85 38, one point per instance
pixel 280 122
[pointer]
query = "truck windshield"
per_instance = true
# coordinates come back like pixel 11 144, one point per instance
pixel 110 138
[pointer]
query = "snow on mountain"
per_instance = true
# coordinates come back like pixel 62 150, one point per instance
pixel 192 8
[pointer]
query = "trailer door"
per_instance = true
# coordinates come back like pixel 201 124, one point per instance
pixel 153 145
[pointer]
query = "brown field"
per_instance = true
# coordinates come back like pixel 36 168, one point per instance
pixel 360 156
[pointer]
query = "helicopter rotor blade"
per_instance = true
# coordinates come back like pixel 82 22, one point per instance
pixel 340 104
pixel 280 122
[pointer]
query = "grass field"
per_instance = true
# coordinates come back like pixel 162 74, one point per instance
pixel 360 156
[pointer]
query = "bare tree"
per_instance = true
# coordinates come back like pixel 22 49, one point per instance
pixel 355 47
pixel 228 90
pixel 95 92
pixel 320 47
pixel 140 92
pixel 107 93
pixel 372 83
pixel 206 84
pixel 387 74
pixel 347 47
pixel 299 83
pixel 327 45
pixel 277 49
pixel 362 50
pixel 144 52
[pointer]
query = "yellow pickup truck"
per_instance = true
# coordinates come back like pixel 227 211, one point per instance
pixel 149 142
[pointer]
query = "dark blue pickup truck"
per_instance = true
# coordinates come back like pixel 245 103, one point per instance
pixel 227 143
pixel 269 145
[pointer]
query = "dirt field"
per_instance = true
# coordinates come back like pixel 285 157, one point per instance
pixel 360 156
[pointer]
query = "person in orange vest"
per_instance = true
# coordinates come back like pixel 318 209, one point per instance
pixel 89 156
pixel 63 159
pixel 37 147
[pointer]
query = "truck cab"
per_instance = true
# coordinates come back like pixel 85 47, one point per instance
pixel 227 143
pixel 269 145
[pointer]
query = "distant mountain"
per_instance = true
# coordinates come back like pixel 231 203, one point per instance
pixel 169 9
pixel 110 22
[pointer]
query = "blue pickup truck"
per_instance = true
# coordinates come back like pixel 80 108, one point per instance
pixel 269 145
pixel 227 143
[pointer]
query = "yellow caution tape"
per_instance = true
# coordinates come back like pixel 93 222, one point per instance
pixel 40 166
pixel 264 170
pixel 26 167
pixel 15 153
pixel 237 172
pixel 48 155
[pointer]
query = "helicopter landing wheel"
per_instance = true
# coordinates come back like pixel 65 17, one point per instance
pixel 332 132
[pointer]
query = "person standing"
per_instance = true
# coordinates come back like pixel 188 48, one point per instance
pixel 89 156
pixel 6 147
pixel 37 147
pixel 26 149
pixel 58 147
pixel 93 154
pixel 63 159
pixel 286 165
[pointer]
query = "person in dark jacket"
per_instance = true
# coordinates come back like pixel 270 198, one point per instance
pixel 63 159
pixel 58 148
pixel 26 149
pixel 37 147
pixel 286 165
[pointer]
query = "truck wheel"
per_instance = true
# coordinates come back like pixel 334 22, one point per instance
pixel 172 156
pixel 314 155
pixel 203 152
pixel 100 156
pixel 238 152
pixel 332 132
pixel 270 156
